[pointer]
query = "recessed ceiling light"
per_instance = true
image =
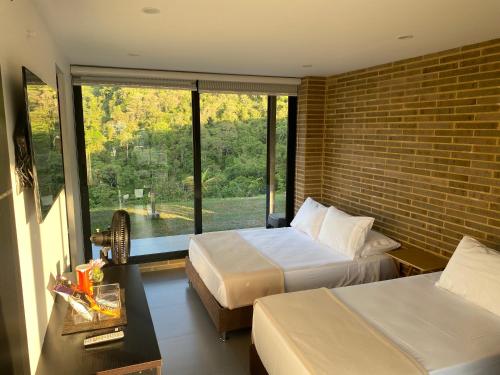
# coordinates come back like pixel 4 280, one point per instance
pixel 133 54
pixel 307 66
pixel 150 10
pixel 404 37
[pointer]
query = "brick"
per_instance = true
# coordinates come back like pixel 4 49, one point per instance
pixel 477 108
pixel 459 56
pixel 478 76
pixel 476 125
pixel 491 50
pixel 441 67
pixel 475 140
pixel 456 102
pixel 489 100
pixel 480 60
pixel 489 83
pixel 459 72
pixel 490 67
pixel 415 144
pixel 444 81
pixel 478 93
pixel 421 64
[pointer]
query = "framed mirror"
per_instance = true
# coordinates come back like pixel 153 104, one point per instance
pixel 42 114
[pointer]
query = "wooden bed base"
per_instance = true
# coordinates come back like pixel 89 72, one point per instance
pixel 256 366
pixel 225 320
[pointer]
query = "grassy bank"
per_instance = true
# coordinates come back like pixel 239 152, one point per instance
pixel 178 217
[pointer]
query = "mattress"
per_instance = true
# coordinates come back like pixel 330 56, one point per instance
pixel 444 333
pixel 306 264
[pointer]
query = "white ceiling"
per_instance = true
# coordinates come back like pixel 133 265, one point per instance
pixel 264 37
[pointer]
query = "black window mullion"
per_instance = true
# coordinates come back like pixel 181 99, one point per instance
pixel 82 171
pixel 271 156
pixel 195 102
pixel 290 159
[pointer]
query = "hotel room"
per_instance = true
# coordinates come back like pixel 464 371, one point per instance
pixel 305 187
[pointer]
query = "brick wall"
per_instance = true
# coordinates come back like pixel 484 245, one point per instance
pixel 310 134
pixel 415 144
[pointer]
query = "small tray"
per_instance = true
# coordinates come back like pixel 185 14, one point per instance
pixel 69 325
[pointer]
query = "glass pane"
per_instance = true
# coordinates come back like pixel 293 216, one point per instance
pixel 140 158
pixel 281 153
pixel 233 160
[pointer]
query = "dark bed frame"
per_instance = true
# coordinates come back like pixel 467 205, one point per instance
pixel 225 320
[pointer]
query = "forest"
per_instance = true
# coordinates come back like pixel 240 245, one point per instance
pixel 139 148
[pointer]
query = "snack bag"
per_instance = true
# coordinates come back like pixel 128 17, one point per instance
pixel 78 300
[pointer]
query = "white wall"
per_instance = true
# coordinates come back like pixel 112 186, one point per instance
pixel 43 248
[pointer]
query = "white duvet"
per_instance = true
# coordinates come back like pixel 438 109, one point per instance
pixel 445 333
pixel 306 263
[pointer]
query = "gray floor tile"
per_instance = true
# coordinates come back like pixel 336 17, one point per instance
pixel 187 337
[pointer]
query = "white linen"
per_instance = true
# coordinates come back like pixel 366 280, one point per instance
pixel 322 332
pixel 473 273
pixel 445 333
pixel 306 264
pixel 247 274
pixel 309 217
pixel 377 243
pixel 344 233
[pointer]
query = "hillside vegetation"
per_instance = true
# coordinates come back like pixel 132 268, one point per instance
pixel 139 149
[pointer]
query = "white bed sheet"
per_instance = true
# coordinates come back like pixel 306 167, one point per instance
pixel 306 263
pixel 446 334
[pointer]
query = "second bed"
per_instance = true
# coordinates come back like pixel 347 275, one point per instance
pixel 441 333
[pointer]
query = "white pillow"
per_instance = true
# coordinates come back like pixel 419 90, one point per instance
pixel 345 233
pixel 473 273
pixel 309 217
pixel 376 243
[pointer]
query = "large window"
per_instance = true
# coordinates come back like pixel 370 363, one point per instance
pixel 138 144
pixel 233 160
pixel 180 162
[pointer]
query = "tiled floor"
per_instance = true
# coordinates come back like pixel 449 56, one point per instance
pixel 188 341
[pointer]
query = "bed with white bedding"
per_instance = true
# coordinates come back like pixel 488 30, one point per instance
pixel 305 263
pixel 444 333
pixel 324 247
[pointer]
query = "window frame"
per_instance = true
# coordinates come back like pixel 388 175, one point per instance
pixel 196 131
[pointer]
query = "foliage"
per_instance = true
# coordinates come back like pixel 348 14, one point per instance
pixel 45 141
pixel 141 138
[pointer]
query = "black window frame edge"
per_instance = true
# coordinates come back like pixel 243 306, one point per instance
pixel 198 192
pixel 196 131
pixel 82 170
pixel 270 154
pixel 291 150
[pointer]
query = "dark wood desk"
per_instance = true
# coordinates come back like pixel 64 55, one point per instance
pixel 138 351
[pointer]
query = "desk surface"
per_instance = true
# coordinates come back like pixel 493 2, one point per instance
pixel 67 355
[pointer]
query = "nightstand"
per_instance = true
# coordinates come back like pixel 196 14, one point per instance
pixel 418 261
pixel 276 220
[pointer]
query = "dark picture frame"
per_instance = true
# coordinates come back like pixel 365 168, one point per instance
pixel 43 120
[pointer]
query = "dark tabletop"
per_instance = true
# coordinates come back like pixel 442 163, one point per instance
pixel 67 355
